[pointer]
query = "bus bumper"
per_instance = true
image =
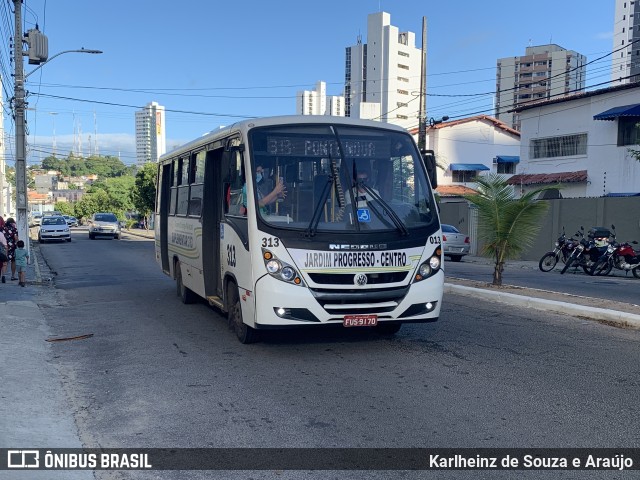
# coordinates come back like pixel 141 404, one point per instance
pixel 278 304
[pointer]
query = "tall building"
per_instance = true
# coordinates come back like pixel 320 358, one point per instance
pixel 625 62
pixel 382 76
pixel 544 72
pixel 150 133
pixel 316 102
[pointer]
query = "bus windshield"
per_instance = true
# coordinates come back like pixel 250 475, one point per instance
pixel 340 178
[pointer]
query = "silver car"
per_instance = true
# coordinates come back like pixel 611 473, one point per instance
pixel 104 225
pixel 54 228
pixel 455 245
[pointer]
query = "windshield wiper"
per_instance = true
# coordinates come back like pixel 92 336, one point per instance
pixel 387 208
pixel 317 210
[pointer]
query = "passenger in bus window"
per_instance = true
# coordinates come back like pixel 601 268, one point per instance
pixel 359 192
pixel 265 199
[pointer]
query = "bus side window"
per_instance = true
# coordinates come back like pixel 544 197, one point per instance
pixel 234 192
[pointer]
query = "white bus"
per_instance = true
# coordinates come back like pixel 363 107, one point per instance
pixel 302 220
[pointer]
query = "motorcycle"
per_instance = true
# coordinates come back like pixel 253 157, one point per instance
pixel 587 251
pixel 562 251
pixel 618 255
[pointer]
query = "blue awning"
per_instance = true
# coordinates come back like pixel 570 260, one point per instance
pixel 624 111
pixel 507 159
pixel 622 194
pixel 469 167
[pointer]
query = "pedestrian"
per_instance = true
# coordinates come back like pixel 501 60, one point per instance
pixel 3 250
pixel 11 235
pixel 21 257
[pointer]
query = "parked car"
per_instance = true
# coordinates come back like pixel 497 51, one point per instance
pixel 54 227
pixel 104 224
pixel 455 245
pixel 35 219
pixel 71 221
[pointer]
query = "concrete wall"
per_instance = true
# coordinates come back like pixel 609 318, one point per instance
pixel 623 212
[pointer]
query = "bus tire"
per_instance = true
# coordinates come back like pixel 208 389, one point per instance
pixel 244 332
pixel 186 295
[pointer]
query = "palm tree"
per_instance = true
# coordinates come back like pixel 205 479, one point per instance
pixel 507 224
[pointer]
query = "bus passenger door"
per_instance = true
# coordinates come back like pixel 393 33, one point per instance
pixel 211 216
pixel 164 203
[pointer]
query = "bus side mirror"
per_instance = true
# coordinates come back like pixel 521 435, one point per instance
pixel 429 159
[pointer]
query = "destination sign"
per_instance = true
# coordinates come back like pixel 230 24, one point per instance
pixel 324 147
pixel 314 260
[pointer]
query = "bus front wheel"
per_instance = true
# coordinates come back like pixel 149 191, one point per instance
pixel 244 332
pixel 185 294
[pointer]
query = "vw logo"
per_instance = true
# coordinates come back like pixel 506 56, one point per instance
pixel 360 279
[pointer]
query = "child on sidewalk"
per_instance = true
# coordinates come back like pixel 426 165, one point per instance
pixel 21 257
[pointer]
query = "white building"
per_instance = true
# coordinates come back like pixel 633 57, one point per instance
pixel 150 133
pixel 544 72
pixel 625 62
pixel 582 142
pixel 470 147
pixel 384 72
pixel 316 102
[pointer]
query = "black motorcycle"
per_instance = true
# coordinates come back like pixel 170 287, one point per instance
pixel 586 251
pixel 562 251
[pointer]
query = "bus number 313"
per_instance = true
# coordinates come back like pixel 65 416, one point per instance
pixel 231 255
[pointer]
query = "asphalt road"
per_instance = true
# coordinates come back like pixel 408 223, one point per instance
pixel 157 373
pixel 616 286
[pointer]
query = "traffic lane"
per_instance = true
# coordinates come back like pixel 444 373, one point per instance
pixel 159 373
pixel 617 288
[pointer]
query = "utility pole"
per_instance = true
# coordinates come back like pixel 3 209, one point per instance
pixel 19 106
pixel 422 112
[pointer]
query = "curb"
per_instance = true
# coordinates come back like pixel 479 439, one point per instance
pixel 622 319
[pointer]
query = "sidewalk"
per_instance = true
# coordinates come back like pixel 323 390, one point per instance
pixel 34 411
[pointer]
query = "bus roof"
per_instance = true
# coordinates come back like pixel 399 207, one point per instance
pixel 245 125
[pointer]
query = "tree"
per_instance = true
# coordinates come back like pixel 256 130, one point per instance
pixel 507 224
pixel 144 193
pixel 65 208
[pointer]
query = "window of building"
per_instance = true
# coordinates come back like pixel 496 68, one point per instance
pixel 506 168
pixel 401 104
pixel 404 67
pixel 628 131
pixel 403 54
pixel 562 146
pixel 403 92
pixel 463 176
pixel 402 117
pixel 403 79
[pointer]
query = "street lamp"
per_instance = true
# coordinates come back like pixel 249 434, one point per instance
pixel 20 106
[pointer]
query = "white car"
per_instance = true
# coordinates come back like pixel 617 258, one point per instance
pixel 71 221
pixel 455 245
pixel 54 227
pixel 104 225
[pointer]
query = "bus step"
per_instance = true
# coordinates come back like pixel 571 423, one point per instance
pixel 215 302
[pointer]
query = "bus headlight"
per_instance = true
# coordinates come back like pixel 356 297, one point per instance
pixel 429 267
pixel 273 266
pixel 281 270
pixel 288 274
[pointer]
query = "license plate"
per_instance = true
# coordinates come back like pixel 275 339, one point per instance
pixel 360 320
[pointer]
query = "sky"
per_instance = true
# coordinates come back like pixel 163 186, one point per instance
pixel 211 63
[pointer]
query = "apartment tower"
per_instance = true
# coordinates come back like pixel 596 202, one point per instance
pixel 625 61
pixel 316 102
pixel 382 76
pixel 544 72
pixel 150 133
